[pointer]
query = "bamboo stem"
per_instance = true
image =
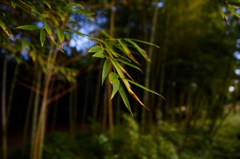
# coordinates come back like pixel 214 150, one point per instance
pixel 4 117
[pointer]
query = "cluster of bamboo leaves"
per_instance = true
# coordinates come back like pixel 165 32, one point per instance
pixel 119 77
pixel 231 5
pixel 117 53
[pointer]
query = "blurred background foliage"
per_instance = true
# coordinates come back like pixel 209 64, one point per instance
pixel 47 73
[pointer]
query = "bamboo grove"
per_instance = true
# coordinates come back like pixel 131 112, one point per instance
pixel 73 64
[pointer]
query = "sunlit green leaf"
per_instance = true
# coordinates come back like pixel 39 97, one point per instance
pixel 13 4
pixel 130 91
pixel 232 2
pixel 220 11
pixel 99 54
pixel 115 88
pixel 140 50
pixel 2 25
pixel 95 49
pixel 60 34
pixel 43 16
pixel 129 64
pixel 117 68
pixel 28 27
pixel 42 37
pixel 124 98
pixel 123 70
pixel 75 5
pixel 47 27
pixel 47 4
pixel 145 88
pixel 113 77
pixel 105 70
pixel 110 50
pixel 233 11
pixel 77 32
pixel 145 42
pixel 127 51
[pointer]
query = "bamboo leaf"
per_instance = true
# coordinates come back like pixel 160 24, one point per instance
pixel 77 32
pixel 113 77
pixel 145 42
pixel 125 98
pixel 116 66
pixel 2 25
pixel 105 70
pixel 13 4
pixel 127 51
pixel 116 86
pixel 220 11
pixel 47 28
pixel 145 88
pixel 140 50
pixel 233 11
pixel 42 37
pixel 75 5
pixel 47 4
pixel 60 34
pixel 110 50
pixel 232 2
pixel 123 70
pixel 28 27
pixel 133 94
pixel 96 48
pixel 129 64
pixel 99 54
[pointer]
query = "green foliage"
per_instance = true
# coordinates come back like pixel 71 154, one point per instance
pixel 165 141
pixel 226 143
pixel 117 59
pixel 127 142
pixel 116 52
pixel 231 6
pixel 59 146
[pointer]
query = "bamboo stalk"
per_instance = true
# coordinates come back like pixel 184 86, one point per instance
pixel 4 115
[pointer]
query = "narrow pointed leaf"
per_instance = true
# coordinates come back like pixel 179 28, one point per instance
pixel 127 51
pixel 13 4
pixel 220 11
pixel 47 28
pixel 105 70
pixel 140 50
pixel 123 70
pixel 110 50
pixel 113 77
pixel 60 34
pixel 119 71
pixel 99 54
pixel 115 88
pixel 95 49
pixel 133 94
pixel 124 98
pixel 129 64
pixel 75 5
pixel 42 37
pixel 233 11
pixel 145 88
pixel 47 4
pixel 145 42
pixel 2 25
pixel 28 27
pixel 81 34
